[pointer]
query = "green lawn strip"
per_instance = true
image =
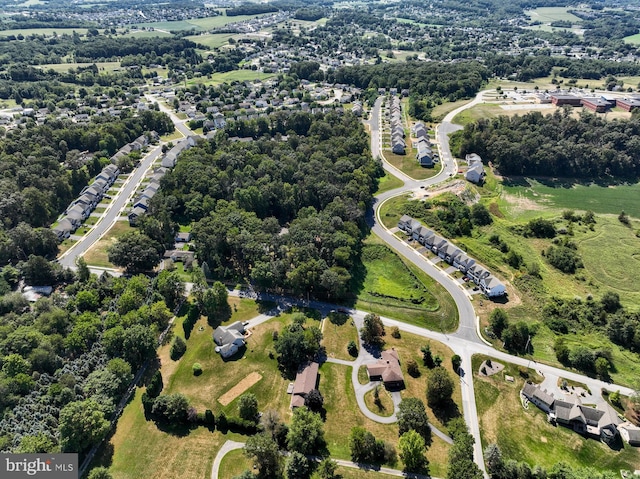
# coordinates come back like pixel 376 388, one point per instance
pixel 65 245
pixel 337 331
pixel 526 435
pixel 97 254
pixel 176 135
pixel 229 77
pixel 363 377
pixel 393 287
pixel 388 182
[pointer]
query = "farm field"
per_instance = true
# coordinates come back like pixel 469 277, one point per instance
pixel 213 40
pixel 599 199
pixel 543 444
pixel 47 32
pixel 198 24
pixel 147 33
pixel 388 286
pixel 64 67
pixel 635 39
pixel 229 77
pixel 552 14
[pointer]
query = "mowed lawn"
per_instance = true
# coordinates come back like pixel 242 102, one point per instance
pixel 526 435
pixel 388 182
pixel 139 449
pixel 552 14
pixel 212 40
pixel 97 254
pixel 337 331
pixel 409 165
pixel 389 286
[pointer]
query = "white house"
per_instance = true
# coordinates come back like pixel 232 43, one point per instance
pixel 229 339
pixel 475 172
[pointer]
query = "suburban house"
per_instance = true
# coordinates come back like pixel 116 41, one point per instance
pixel 424 154
pixel 475 172
pixel 387 369
pixel 600 422
pixel 64 228
pixel 489 284
pixel 630 433
pixel 183 237
pixel 306 380
pixel 82 210
pixel 170 158
pixel 229 339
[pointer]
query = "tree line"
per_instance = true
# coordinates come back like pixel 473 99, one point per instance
pixel 555 145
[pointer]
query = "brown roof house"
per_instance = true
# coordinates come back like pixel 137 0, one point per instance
pixel 306 380
pixel 387 369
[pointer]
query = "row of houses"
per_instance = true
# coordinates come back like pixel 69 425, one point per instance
pixel 475 172
pixel 424 152
pixel 141 202
pixel 136 145
pixel 80 209
pixel 601 422
pixel 398 144
pixel 489 284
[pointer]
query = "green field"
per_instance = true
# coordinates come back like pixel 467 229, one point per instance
pixel 47 32
pixel 552 14
pixel 388 182
pixel 389 286
pixel 198 24
pixel 599 199
pixel 229 77
pixel 97 254
pixel 528 436
pixel 635 39
pixel 337 331
pixel 212 40
pixel 147 34
pixel 64 67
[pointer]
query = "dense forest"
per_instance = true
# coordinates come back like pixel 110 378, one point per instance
pixel 41 172
pixel 68 359
pixel 287 212
pixel 555 145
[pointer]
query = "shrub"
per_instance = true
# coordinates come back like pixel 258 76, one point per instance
pixel 178 348
pixel 197 369
pixel 352 349
pixel 412 368
pixel 395 332
pixel 564 258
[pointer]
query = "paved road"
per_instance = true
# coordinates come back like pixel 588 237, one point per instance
pixel 179 124
pixel 226 448
pixel 119 203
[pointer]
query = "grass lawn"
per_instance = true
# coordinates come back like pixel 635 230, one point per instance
pixel 65 245
pixel 440 111
pixel 410 166
pixel 390 286
pixel 385 406
pixel 233 464
pixel 388 182
pixel 352 473
pixel 198 24
pixel 91 220
pixel 176 135
pixel 97 255
pixel 337 331
pixel 100 209
pixel 147 34
pixel 542 443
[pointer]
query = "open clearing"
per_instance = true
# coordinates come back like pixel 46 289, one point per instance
pixel 337 331
pixel 389 286
pixel 239 388
pixel 198 24
pixel 213 40
pixel 47 32
pixel 64 67
pixel 552 14
pixel 542 443
pixel 97 254
pixel 635 39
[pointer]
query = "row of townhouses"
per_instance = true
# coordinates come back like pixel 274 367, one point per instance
pixel 424 153
pixel 398 144
pixel 489 284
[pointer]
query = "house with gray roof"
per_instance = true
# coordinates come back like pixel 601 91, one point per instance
pixel 229 339
pixel 475 172
pixel 424 154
